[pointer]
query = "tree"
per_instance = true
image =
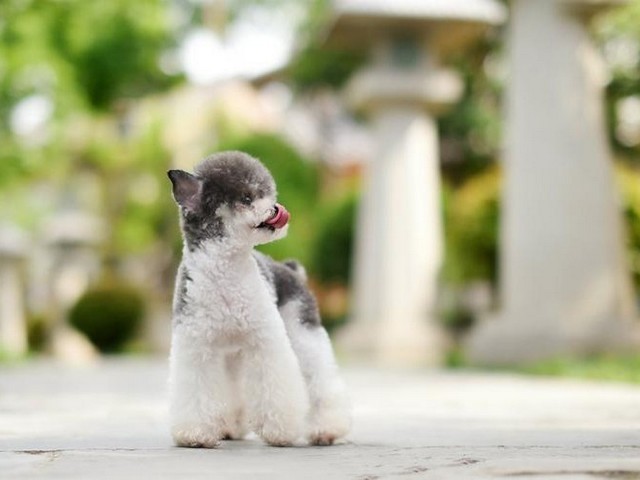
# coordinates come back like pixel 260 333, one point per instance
pixel 80 57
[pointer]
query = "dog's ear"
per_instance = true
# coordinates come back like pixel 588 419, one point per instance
pixel 186 189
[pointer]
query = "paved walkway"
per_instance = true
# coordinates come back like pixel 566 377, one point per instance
pixel 108 421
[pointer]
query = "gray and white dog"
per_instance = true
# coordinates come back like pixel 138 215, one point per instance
pixel 248 351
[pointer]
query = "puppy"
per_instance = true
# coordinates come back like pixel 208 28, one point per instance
pixel 248 351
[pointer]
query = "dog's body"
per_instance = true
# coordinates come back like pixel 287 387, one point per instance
pixel 248 350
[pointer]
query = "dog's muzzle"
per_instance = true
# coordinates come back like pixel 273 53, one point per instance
pixel 279 218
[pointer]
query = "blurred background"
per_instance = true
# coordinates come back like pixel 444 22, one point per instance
pixel 99 99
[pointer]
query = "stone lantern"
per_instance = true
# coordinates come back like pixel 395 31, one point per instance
pixel 399 230
pixel 565 288
pixel 13 328
pixel 72 239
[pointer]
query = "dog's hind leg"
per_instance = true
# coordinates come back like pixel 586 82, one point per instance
pixel 275 391
pixel 330 410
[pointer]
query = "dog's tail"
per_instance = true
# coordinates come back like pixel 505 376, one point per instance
pixel 298 268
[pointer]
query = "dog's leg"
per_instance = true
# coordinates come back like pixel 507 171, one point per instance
pixel 330 412
pixel 275 390
pixel 235 412
pixel 197 385
pixel 330 409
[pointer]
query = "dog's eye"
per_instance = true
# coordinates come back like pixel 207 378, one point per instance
pixel 246 200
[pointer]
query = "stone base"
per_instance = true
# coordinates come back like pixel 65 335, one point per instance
pixel 424 345
pixel 501 341
pixel 71 347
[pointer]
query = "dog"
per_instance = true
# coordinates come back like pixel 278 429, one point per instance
pixel 248 350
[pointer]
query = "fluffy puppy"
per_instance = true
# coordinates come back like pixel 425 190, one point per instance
pixel 248 351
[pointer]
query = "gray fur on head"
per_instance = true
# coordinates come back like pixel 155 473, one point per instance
pixel 227 179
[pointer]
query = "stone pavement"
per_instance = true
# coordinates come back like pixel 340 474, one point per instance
pixel 108 421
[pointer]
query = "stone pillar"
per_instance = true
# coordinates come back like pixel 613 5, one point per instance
pixel 399 231
pixel 565 289
pixel 13 326
pixel 72 238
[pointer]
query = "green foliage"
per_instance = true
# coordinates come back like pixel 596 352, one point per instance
pixel 333 247
pixel 297 181
pixel 85 57
pixel 37 332
pixel 602 367
pixel 473 213
pixel 457 318
pixel 12 164
pixel 470 132
pixel 8 358
pixel 455 358
pixel 619 31
pixel 147 213
pixel 629 183
pixel 315 67
pixel 113 47
pixel 109 315
pixel 130 176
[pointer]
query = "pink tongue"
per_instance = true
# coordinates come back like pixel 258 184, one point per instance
pixel 281 217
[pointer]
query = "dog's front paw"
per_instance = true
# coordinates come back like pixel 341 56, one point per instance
pixel 322 439
pixel 277 438
pixel 195 437
pixel 329 424
pixel 281 425
pixel 326 435
pixel 281 434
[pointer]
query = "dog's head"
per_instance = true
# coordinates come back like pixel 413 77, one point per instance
pixel 230 197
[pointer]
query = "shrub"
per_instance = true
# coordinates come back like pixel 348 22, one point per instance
pixel 628 181
pixel 331 258
pixel 38 327
pixel 333 247
pixel 472 214
pixel 472 219
pixel 108 315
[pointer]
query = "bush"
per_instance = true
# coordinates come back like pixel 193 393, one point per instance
pixel 38 327
pixel 333 247
pixel 331 258
pixel 628 181
pixel 473 215
pixel 109 316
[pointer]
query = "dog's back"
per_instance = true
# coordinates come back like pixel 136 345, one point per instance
pixel 287 281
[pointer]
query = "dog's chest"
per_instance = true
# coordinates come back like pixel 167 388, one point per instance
pixel 227 297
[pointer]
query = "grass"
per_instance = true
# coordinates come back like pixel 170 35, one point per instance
pixel 602 367
pixel 617 368
pixel 7 358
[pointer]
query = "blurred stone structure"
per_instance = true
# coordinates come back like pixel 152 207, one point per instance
pixel 13 327
pixel 565 289
pixel 72 238
pixel 399 231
